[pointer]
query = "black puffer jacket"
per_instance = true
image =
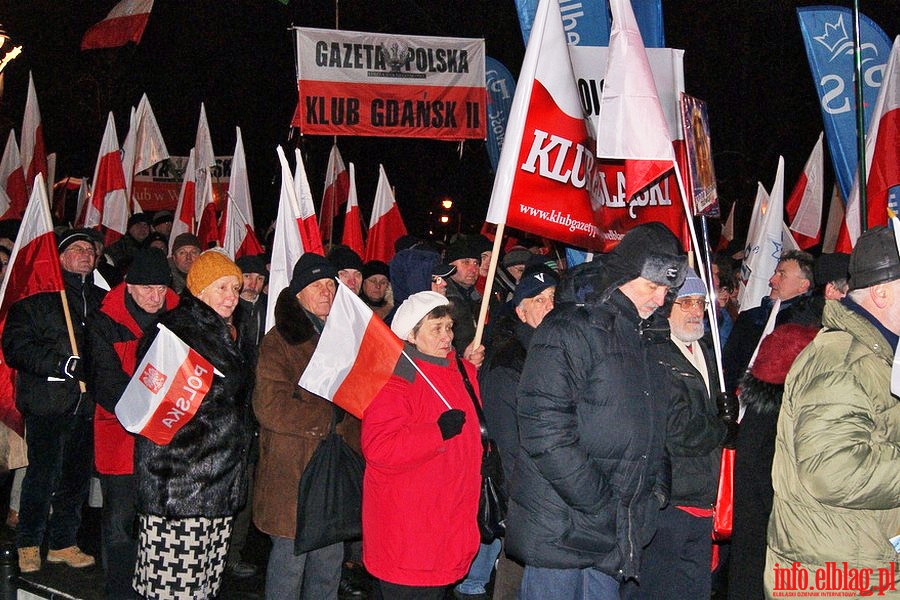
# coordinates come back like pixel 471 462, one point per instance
pixel 591 473
pixel 202 472
pixel 695 432
pixel 36 339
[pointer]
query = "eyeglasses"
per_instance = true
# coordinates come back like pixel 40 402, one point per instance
pixel 690 304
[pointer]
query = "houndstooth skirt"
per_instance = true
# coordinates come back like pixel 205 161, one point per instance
pixel 181 558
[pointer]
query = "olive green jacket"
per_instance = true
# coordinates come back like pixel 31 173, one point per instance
pixel 836 471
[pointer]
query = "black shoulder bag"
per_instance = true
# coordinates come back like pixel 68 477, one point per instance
pixel 493 500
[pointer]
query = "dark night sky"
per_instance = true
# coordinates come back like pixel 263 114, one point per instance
pixel 744 57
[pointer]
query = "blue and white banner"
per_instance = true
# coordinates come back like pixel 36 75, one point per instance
pixel 501 87
pixel 828 37
pixel 587 22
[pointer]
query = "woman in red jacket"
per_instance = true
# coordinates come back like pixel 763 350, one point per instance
pixel 422 446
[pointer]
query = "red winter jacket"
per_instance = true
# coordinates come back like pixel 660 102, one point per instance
pixel 420 492
pixel 114 337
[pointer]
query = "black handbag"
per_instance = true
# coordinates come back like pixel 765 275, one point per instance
pixel 493 500
pixel 329 496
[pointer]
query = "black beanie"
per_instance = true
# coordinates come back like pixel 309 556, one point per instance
pixel 69 237
pixel 252 264
pixel 342 257
pixel 375 267
pixel 310 267
pixel 149 267
pixel 650 251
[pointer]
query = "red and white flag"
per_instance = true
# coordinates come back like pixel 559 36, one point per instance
pixel 204 200
pixel 166 389
pixel 13 192
pixel 34 153
pixel 238 237
pixel 108 206
pixel 352 236
pixel 882 157
pixel 124 23
pixel 143 147
pixel 355 356
pixel 804 206
pixel 184 221
pixel 386 225
pixel 287 246
pixel 337 189
pixel 764 242
pixel 545 163
pixel 631 124
pixel 33 268
pixel 727 230
pixel 309 229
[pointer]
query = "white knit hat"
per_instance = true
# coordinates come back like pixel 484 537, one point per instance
pixel 414 310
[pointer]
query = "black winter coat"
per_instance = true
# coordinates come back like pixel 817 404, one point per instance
pixel 498 379
pixel 202 472
pixel 591 473
pixel 36 340
pixel 695 432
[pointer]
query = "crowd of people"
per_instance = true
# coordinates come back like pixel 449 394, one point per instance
pixel 598 385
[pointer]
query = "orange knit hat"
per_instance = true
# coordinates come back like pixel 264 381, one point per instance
pixel 208 267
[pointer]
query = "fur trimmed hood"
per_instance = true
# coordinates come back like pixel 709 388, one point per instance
pixel 761 397
pixel 291 320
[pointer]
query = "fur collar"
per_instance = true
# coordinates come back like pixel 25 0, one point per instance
pixel 761 397
pixel 291 320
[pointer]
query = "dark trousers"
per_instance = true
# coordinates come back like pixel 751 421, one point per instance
pixel 676 564
pixel 60 458
pixel 118 529
pixel 395 591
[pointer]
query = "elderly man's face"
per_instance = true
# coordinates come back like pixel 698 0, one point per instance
pixel 466 271
pixel 646 295
pixel 78 258
pixel 533 310
pixel 788 281
pixel 139 230
pixel 686 318
pixel 150 298
pixel 253 286
pixel 352 278
pixel 184 257
pixel 318 296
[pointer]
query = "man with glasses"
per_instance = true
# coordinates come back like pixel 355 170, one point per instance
pixel 676 563
pixel 440 274
pixel 50 395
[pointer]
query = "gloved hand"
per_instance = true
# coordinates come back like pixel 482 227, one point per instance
pixel 728 407
pixel 451 423
pixel 72 368
pixel 491 466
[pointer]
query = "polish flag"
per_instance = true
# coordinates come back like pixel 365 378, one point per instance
pixel 631 123
pixel 33 268
pixel 166 389
pixel 727 230
pixel 108 206
pixel 124 23
pixel 184 221
pixel 764 242
pixel 287 246
pixel 386 225
pixel 238 237
pixel 143 147
pixel 355 356
pixel 337 190
pixel 13 193
pixel 541 175
pixel 804 207
pixel 34 154
pixel 204 200
pixel 882 157
pixel 352 236
pixel 309 229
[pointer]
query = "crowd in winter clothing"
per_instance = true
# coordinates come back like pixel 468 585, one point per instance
pixel 598 384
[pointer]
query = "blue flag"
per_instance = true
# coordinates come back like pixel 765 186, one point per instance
pixel 587 22
pixel 501 87
pixel 828 37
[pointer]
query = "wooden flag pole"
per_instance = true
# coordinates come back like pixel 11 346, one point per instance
pixel 71 329
pixel 489 284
